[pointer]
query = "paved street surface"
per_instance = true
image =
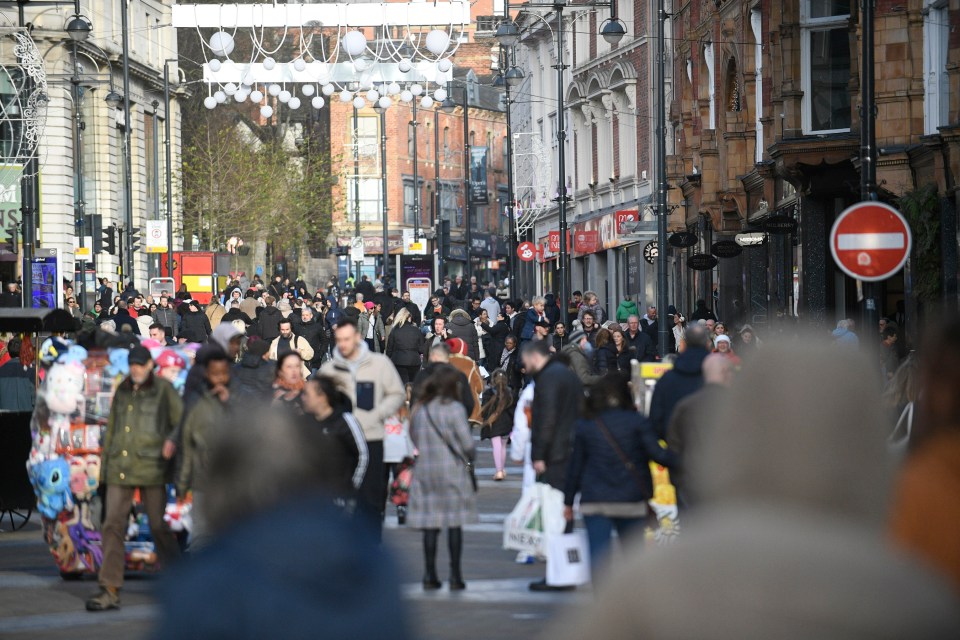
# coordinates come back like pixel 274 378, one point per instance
pixel 36 603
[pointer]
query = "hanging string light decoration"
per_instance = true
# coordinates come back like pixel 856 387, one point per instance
pixel 348 60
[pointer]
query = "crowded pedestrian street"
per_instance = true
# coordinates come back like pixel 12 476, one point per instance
pixel 480 319
pixel 35 603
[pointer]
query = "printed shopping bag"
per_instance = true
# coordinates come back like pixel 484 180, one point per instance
pixel 568 559
pixel 538 513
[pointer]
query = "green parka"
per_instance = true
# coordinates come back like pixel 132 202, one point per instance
pixel 140 421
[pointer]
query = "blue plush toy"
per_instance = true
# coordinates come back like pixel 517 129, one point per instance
pixel 51 483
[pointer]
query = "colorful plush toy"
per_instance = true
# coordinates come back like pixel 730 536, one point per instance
pixel 51 483
pixel 62 394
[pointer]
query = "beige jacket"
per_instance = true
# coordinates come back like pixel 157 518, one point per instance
pixel 373 377
pixel 300 344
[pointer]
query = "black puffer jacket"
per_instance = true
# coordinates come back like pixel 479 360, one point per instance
pixel 313 332
pixel 404 345
pixel 461 326
pixel 268 320
pixel 195 326
pixel 685 378
pixel 253 377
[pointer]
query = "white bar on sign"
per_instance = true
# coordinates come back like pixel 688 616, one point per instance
pixel 867 241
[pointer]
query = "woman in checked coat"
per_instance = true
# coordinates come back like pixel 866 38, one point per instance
pixel 442 491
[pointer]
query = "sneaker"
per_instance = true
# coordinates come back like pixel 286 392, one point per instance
pixel 525 558
pixel 541 586
pixel 105 600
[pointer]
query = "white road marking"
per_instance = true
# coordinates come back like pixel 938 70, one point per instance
pixel 511 591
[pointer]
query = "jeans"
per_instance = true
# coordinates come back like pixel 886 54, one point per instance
pixel 599 531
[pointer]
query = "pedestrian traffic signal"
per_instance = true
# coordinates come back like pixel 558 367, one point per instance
pixel 135 240
pixel 110 239
pixel 11 240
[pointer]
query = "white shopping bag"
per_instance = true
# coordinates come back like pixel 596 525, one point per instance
pixel 568 559
pixel 538 514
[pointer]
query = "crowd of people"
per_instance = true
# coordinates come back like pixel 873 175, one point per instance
pixel 379 384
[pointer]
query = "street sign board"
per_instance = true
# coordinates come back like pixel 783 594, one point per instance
pixel 356 249
pixel 870 241
pixel 156 240
pixel 527 251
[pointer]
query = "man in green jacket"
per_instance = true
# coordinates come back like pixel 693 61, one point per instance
pixel 145 411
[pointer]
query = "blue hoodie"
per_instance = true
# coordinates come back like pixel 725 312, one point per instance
pixel 334 313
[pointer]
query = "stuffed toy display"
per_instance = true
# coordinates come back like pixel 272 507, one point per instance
pixel 72 409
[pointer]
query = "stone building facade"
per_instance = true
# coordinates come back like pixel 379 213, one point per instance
pixel 151 40
pixel 766 119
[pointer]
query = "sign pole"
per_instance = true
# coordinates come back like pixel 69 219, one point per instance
pixel 868 141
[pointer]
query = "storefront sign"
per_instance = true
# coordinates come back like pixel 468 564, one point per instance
pixel 456 252
pixel 726 249
pixel 702 262
pixel 527 251
pixel 374 244
pixel 585 241
pixel 481 244
pixel 780 225
pixel 651 251
pixel 633 268
pixel 629 215
pixel 478 175
pixel 683 239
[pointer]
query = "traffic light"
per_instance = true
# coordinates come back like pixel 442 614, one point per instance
pixel 135 240
pixel 11 240
pixel 445 234
pixel 93 227
pixel 110 239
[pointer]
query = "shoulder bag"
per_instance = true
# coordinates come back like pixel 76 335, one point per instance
pixel 456 454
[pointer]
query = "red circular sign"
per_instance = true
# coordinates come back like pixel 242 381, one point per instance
pixel 870 241
pixel 526 251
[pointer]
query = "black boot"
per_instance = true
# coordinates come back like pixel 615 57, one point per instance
pixel 455 542
pixel 401 515
pixel 430 580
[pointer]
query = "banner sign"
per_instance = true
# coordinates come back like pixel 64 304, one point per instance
pixel 478 175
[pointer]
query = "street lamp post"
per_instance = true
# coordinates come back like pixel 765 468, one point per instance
pixel 467 199
pixel 416 175
pixel 356 183
pixel 169 168
pixel 79 204
pixel 383 187
pixel 663 288
pixel 127 144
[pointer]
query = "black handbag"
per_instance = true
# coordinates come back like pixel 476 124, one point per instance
pixel 471 471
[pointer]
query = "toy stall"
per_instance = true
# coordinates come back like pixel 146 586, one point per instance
pixel 73 405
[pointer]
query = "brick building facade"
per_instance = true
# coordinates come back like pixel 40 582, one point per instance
pixel 766 119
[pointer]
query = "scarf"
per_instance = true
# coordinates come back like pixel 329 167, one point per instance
pixel 284 390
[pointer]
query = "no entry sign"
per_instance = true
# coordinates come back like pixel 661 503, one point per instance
pixel 870 241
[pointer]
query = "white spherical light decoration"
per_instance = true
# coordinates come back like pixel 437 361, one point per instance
pixel 437 41
pixel 221 43
pixel 230 89
pixel 214 65
pixel 256 96
pixel 220 96
pixel 406 96
pixel 317 102
pixel 405 65
pixel 269 63
pixel 247 79
pixel 328 89
pixel 284 96
pixel 359 103
pixel 385 102
pixel 416 89
pixel 266 111
pixel 440 94
pixel 274 90
pixel 373 95
pixel 393 88
pixel 444 65
pixel 294 103
pixel 240 96
pixel 299 64
pixel 426 102
pixel 307 90
pixel 354 43
pixel 361 64
pixel 345 96
pixel 210 102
